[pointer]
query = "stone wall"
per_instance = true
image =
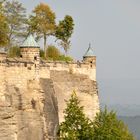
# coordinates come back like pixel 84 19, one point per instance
pixel 32 96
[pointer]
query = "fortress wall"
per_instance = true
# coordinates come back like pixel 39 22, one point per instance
pixel 19 76
pixel 16 74
pixel 76 68
pixel 19 73
pixel 19 85
pixel 44 72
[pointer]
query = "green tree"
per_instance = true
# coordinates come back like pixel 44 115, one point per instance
pixel 108 127
pixel 64 31
pixel 76 126
pixel 3 27
pixel 42 22
pixel 16 19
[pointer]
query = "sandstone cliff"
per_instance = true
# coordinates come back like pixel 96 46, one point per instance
pixel 30 108
pixel 29 113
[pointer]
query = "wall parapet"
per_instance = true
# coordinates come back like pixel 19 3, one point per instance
pixel 46 66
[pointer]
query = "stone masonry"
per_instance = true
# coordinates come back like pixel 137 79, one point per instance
pixel 33 93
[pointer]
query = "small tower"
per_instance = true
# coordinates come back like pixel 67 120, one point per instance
pixel 89 57
pixel 30 49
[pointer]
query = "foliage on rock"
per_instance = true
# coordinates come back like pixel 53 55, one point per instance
pixel 14 52
pixel 76 125
pixel 52 53
pixel 108 127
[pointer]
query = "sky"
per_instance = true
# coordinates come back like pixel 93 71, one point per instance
pixel 113 29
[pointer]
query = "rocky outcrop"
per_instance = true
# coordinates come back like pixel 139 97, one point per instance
pixel 66 82
pixel 30 108
pixel 29 113
pixel 50 107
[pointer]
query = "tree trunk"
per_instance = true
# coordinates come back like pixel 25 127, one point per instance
pixel 45 46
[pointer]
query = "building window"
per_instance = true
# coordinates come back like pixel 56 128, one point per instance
pixel 35 57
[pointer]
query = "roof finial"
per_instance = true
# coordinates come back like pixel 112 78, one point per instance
pixel 89 44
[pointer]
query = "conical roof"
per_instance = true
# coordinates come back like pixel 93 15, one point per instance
pixel 89 52
pixel 30 42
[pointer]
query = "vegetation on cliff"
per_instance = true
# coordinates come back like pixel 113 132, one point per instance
pixel 42 22
pixel 17 22
pixel 64 31
pixel 76 125
pixel 105 126
pixel 15 26
pixel 3 27
pixel 53 53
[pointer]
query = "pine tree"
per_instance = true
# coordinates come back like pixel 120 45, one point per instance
pixel 108 127
pixel 76 126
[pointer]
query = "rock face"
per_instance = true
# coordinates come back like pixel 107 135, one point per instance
pixel 65 83
pixel 32 97
pixel 29 114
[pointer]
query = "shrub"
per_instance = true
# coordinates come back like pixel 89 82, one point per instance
pixel 42 54
pixel 14 51
pixel 65 58
pixel 52 53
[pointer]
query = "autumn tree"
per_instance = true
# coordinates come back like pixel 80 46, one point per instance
pixel 64 31
pixel 42 22
pixel 76 125
pixel 3 27
pixel 16 19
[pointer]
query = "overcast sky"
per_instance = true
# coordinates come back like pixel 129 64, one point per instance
pixel 113 28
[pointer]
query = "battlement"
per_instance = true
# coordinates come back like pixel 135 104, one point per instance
pixel 43 68
pixel 34 67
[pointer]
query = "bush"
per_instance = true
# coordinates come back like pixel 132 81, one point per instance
pixel 14 51
pixel 65 58
pixel 42 54
pixel 52 53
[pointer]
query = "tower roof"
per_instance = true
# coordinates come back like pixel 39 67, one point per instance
pixel 89 52
pixel 30 42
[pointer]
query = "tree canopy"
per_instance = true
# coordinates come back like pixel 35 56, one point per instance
pixel 15 26
pixel 3 27
pixel 64 31
pixel 16 19
pixel 108 127
pixel 42 22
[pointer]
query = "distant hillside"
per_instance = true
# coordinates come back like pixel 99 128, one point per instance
pixel 133 124
pixel 124 110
